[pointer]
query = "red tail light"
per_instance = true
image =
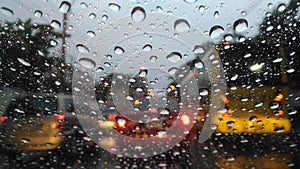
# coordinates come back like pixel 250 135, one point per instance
pixel 61 117
pixel 2 119
pixel 121 122
pixel 185 119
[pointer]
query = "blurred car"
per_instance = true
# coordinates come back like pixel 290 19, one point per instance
pixel 257 95
pixel 40 122
pixel 156 121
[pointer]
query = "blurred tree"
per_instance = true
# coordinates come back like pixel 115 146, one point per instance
pixel 25 60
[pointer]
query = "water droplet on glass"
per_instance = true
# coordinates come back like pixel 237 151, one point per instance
pixel 198 49
pixel 138 14
pixel 23 62
pixel 228 37
pixel 240 25
pixel 153 58
pixel 143 72
pixel 274 105
pixel 129 98
pixel 230 123
pixel 216 14
pixel 270 5
pixel 87 63
pixel 201 8
pixel 269 28
pixel 64 7
pixel 114 7
pixel 252 118
pixel 292 111
pixel 7 11
pixel 83 5
pixel 199 64
pixel 291 70
pixel 174 57
pixel 119 50
pixel 104 17
pixel 147 47
pixel 57 83
pixel 55 24
pixel 281 7
pixel 172 70
pixel 38 13
pixel 216 31
pixel 244 13
pixel 82 49
pixel 53 42
pixel 159 9
pixel 277 60
pixel 190 1
pixel 247 55
pixel 164 112
pixel 234 77
pixel 91 33
pixel 181 25
pixel 203 92
pixel 92 16
pixel 259 104
pixel 242 38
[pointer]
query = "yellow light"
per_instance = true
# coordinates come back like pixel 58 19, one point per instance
pixel 172 87
pixel 185 119
pixel 279 97
pixel 136 102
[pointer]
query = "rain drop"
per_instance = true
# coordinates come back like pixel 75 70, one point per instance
pixel 199 64
pixel 92 16
pixel 216 31
pixel 172 70
pixel 87 63
pixel 247 55
pixel 216 14
pixel 119 50
pixel 91 33
pixel 230 123
pixel 65 7
pixel 25 140
pixel 252 118
pixel 164 112
pixel 53 42
pixel 82 49
pixel 190 1
pixel 198 49
pixel 147 48
pixel 203 92
pixel 174 57
pixel 23 62
pixel 7 11
pixel 55 24
pixel 281 8
pixel 138 14
pixel 114 7
pixel 291 70
pixel 201 8
pixel 240 25
pixel 181 25
pixel 277 60
pixel 234 77
pixel 38 13
pixel 143 72
pixel 153 58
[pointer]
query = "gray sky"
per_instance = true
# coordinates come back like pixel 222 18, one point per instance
pixel 202 14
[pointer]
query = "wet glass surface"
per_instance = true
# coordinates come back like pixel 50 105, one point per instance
pixel 149 84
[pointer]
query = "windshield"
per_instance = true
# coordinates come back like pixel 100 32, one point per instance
pixel 149 84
